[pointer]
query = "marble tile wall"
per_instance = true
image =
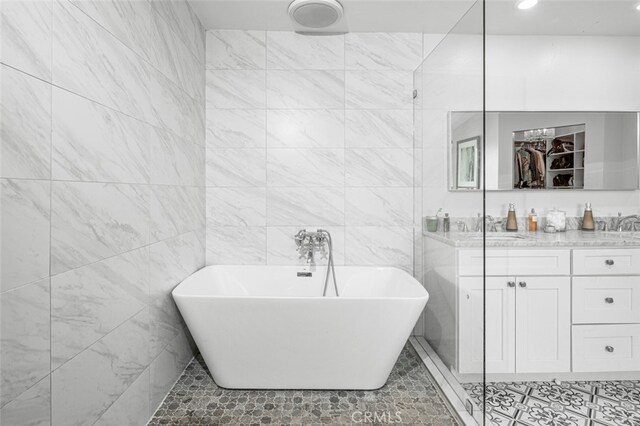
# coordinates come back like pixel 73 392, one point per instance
pixel 309 132
pixel 102 126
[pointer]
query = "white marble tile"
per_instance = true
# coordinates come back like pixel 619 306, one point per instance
pixel 86 386
pixel 93 221
pixel 300 206
pixel 132 407
pixel 237 206
pixel 94 143
pixel 90 61
pixel 175 210
pixel 318 128
pixel 170 55
pixel 167 367
pixel 172 261
pixel 24 339
pixel 376 51
pixel 174 160
pixel 32 408
pixel 379 128
pixel 26 36
pixel 281 248
pixel 379 89
pixel 25 231
pixel 236 128
pixel 236 245
pixel 128 20
pixel 236 89
pixel 173 109
pixel 305 89
pixel 305 167
pixel 236 50
pixel 380 246
pixel 379 167
pixel 236 167
pixel 288 50
pixel 25 125
pixel 89 302
pixel 184 23
pixel 379 206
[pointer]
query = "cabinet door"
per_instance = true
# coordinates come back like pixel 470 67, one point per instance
pixel 500 325
pixel 543 325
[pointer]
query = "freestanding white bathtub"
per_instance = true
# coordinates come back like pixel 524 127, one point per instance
pixel 264 327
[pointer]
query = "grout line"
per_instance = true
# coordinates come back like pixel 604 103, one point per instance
pixel 51 219
pixel 98 340
pixel 111 108
pixel 135 52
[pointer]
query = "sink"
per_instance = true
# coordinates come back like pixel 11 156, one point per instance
pixel 498 236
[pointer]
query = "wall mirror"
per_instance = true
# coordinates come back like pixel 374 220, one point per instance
pixel 533 151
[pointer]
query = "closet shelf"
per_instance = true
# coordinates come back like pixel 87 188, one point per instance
pixel 565 170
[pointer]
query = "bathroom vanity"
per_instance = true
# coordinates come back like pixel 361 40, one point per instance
pixel 563 305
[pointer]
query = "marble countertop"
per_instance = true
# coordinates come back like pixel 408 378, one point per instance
pixel 567 239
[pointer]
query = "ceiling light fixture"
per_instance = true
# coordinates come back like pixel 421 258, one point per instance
pixel 526 4
pixel 638 6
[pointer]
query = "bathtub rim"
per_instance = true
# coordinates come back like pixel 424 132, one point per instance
pixel 177 293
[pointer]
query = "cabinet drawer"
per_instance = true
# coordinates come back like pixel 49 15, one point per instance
pixel 606 347
pixel 606 300
pixel 606 262
pixel 501 262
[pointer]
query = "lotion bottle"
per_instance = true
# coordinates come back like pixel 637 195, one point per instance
pixel 533 221
pixel 588 223
pixel 512 222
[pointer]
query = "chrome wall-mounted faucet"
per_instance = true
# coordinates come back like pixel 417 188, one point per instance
pixel 308 243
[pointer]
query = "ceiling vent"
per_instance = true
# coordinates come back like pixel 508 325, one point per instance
pixel 316 13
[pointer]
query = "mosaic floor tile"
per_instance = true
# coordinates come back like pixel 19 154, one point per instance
pixel 197 400
pixel 564 404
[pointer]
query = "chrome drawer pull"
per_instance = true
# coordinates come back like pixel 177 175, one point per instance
pixel 608 299
pixel 609 262
pixel 522 284
pixel 511 283
pixel 608 348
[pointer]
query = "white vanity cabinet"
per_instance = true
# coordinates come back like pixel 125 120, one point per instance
pixel 528 317
pixel 606 310
pixel 568 313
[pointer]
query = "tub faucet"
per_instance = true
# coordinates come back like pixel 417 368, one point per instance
pixel 308 243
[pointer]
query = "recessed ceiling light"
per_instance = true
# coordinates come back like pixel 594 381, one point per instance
pixel 526 4
pixel 638 6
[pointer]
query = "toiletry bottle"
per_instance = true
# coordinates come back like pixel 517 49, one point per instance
pixel 512 222
pixel 446 223
pixel 533 221
pixel 587 221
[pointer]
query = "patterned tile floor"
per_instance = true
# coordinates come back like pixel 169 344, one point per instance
pixel 196 400
pixel 565 404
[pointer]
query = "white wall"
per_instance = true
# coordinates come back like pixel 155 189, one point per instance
pixel 310 132
pixel 536 73
pixel 102 205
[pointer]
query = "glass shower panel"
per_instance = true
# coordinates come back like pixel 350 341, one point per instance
pixel 562 130
pixel 451 331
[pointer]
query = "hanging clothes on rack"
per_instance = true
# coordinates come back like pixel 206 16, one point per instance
pixel 530 165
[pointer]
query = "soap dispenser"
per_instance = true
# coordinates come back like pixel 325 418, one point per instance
pixel 533 221
pixel 587 221
pixel 446 223
pixel 512 222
